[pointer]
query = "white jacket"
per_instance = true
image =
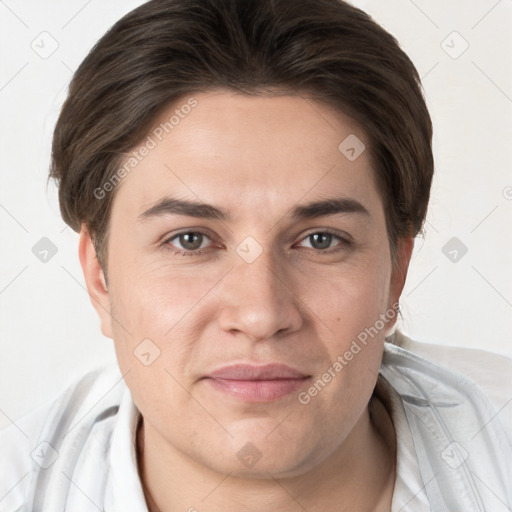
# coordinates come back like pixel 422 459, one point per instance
pixel 451 409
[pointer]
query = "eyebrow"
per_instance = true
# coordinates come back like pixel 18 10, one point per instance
pixel 170 206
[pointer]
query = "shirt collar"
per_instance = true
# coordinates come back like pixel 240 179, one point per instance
pixel 409 492
pixel 124 488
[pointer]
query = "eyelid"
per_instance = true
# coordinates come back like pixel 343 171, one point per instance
pixel 340 234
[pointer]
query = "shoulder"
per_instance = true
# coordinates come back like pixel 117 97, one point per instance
pixel 24 442
pixel 490 371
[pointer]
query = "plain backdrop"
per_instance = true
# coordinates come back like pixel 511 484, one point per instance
pixel 459 288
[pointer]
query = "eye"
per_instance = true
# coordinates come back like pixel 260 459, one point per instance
pixel 189 242
pixel 322 240
pixel 193 242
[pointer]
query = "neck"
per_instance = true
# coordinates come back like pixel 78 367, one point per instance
pixel 360 475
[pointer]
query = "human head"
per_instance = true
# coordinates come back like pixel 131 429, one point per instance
pixel 271 89
pixel 166 48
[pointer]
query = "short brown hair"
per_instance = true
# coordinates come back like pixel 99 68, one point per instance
pixel 165 49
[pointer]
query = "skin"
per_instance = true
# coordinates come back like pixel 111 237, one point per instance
pixel 256 157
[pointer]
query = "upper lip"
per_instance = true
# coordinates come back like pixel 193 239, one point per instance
pixel 271 371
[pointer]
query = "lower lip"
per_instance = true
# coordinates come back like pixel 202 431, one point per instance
pixel 258 390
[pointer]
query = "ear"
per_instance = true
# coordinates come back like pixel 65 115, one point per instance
pixel 405 247
pixel 95 280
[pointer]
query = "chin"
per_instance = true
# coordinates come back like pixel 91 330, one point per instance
pixel 257 458
pixel 265 469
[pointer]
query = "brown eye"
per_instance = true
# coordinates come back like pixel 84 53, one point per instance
pixel 321 240
pixel 191 241
pixel 188 242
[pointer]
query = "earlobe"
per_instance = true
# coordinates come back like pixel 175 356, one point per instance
pixel 95 280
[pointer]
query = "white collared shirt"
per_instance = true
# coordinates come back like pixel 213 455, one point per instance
pixel 77 453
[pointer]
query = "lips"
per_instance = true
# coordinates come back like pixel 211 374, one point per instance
pixel 271 371
pixel 252 383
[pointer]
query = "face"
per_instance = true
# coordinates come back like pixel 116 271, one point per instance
pixel 243 323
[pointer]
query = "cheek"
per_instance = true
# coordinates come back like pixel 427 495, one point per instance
pixel 353 298
pixel 160 314
pixel 353 307
pixel 155 299
pixel 155 344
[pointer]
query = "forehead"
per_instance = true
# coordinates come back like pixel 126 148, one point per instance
pixel 249 151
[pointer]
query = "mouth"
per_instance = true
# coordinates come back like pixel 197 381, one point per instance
pixel 252 383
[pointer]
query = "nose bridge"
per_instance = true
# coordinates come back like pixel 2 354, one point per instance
pixel 257 298
pixel 261 276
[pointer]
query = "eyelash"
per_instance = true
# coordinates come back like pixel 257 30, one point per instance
pixel 345 243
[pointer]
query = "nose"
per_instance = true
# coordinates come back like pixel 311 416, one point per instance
pixel 259 299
